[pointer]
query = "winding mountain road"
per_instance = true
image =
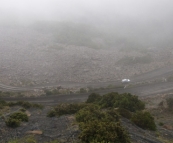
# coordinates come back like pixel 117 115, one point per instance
pixel 151 83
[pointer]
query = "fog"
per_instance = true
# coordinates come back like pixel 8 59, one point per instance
pixel 39 36
pixel 80 9
pixel 137 19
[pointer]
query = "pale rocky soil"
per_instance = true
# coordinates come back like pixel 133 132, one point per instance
pixel 29 57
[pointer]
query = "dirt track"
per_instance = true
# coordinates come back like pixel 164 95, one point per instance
pixel 144 85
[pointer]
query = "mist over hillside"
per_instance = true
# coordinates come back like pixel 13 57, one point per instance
pixel 83 41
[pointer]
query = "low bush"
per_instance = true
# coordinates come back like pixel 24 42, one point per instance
pixel 51 113
pixel 124 113
pixel 13 123
pixel 19 116
pixel 15 119
pixel 64 109
pixel 98 131
pixel 25 104
pixel 39 106
pixel 22 110
pixel 93 112
pixel 144 120
pixel 127 101
pixel 93 97
pixel 3 103
pixel 98 125
pixel 90 112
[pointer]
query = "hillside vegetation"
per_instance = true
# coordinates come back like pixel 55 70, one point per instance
pixel 99 119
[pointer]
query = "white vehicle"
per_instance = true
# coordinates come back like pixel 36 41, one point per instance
pixel 125 80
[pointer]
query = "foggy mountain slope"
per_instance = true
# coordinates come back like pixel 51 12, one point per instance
pixel 29 56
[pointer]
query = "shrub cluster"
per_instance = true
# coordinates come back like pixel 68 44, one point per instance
pixel 124 113
pixel 127 105
pixel 63 109
pixel 25 104
pixel 98 125
pixel 15 119
pixel 93 98
pixel 13 123
pixel 144 120
pixel 126 101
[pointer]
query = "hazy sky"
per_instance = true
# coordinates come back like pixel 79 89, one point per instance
pixel 76 9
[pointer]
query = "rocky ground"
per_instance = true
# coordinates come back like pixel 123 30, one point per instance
pixel 65 129
pixel 30 57
pixel 44 128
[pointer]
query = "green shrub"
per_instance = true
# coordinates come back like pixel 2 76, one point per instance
pixel 93 97
pixel 13 123
pixel 19 116
pixel 144 120
pixel 51 113
pixel 2 102
pixel 93 112
pixel 99 121
pixel 99 131
pixel 63 109
pixel 39 106
pixel 124 113
pixel 15 119
pixel 98 125
pixel 90 112
pixel 25 104
pixel 126 101
pixel 22 110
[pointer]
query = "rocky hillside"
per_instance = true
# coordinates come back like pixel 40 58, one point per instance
pixel 30 56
